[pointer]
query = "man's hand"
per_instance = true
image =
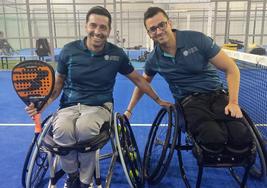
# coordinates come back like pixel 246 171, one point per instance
pixel 233 110
pixel 128 114
pixel 163 103
pixel 31 110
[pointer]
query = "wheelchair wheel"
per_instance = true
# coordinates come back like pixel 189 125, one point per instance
pixel 160 146
pixel 258 170
pixel 29 155
pixel 128 152
pixel 27 159
pixel 36 163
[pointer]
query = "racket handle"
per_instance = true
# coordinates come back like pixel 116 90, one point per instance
pixel 37 121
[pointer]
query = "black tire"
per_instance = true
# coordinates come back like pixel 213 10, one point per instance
pixel 37 163
pixel 29 155
pixel 155 168
pixel 258 170
pixel 129 152
pixel 27 159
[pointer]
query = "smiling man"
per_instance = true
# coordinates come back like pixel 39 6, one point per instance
pixel 187 60
pixel 86 74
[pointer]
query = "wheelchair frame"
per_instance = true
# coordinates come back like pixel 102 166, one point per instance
pixel 176 124
pixel 39 159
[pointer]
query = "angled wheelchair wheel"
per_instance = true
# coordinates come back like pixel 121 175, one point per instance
pixel 27 159
pixel 128 151
pixel 259 169
pixel 36 163
pixel 29 155
pixel 160 145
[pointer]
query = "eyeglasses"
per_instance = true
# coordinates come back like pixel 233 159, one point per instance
pixel 162 26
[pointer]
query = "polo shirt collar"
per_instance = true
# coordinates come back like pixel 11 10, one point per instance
pixel 179 43
pixel 84 47
pixel 179 39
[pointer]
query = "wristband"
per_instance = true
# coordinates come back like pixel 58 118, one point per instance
pixel 157 98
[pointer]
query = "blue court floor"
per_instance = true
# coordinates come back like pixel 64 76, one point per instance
pixel 16 132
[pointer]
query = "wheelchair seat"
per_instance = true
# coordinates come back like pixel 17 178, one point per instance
pixel 92 144
pixel 226 157
pixel 44 154
pixel 163 140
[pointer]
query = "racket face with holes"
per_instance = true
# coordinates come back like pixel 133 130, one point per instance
pixel 33 80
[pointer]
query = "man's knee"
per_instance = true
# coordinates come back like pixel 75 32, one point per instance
pixel 63 132
pixel 210 133
pixel 239 134
pixel 87 130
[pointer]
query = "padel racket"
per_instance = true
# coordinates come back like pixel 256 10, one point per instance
pixel 33 81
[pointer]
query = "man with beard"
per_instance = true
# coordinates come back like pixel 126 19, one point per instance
pixel 86 74
pixel 187 61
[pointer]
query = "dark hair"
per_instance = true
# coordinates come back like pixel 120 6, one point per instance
pixel 100 11
pixel 152 11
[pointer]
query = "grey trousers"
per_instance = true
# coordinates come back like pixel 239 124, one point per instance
pixel 74 124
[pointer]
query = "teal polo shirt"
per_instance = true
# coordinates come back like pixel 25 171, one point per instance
pixel 189 71
pixel 90 77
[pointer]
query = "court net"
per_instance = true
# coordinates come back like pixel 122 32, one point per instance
pixel 253 87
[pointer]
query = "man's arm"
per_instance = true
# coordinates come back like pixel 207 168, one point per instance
pixel 226 64
pixel 143 86
pixel 59 82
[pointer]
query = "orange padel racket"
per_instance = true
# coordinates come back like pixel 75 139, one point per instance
pixel 33 81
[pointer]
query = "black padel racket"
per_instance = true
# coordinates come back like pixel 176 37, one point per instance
pixel 33 81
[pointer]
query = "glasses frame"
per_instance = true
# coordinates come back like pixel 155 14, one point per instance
pixel 162 26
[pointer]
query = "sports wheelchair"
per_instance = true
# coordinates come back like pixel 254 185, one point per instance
pixel 169 133
pixel 43 154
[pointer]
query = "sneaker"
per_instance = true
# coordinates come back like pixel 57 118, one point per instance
pixel 72 182
pixel 82 185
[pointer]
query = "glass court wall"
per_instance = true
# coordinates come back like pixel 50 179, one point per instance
pixel 22 22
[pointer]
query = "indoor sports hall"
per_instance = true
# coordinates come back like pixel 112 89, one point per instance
pixel 153 148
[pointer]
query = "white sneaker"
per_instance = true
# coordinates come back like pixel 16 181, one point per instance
pixel 91 185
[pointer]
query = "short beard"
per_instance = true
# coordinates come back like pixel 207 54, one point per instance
pixel 92 34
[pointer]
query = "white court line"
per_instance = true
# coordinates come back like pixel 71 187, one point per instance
pixel 132 124
pixel 30 124
pixel 16 124
pixel 261 125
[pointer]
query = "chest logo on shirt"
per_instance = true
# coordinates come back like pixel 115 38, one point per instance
pixel 111 58
pixel 106 57
pixel 190 51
